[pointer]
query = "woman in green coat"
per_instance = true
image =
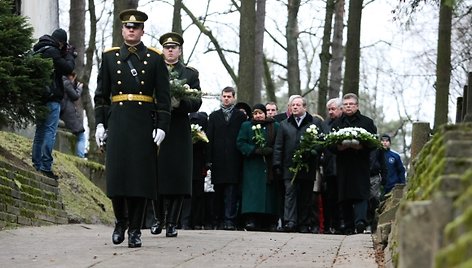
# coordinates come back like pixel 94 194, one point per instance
pixel 255 141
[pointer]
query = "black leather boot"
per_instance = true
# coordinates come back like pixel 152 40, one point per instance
pixel 175 206
pixel 136 208
pixel 159 215
pixel 121 224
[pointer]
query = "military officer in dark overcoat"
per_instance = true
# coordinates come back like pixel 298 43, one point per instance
pixel 175 157
pixel 132 110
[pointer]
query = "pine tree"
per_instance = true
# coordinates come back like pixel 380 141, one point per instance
pixel 23 76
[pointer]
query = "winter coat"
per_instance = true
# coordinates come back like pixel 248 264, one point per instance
pixel 395 170
pixel 175 155
pixel 224 156
pixel 353 166
pixel 131 154
pixel 63 62
pixel 287 142
pixel 71 112
pixel 258 188
pixel 199 147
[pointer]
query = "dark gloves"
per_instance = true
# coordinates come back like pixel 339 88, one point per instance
pixel 264 151
pixel 310 154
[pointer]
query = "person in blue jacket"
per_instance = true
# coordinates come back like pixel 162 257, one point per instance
pixel 395 168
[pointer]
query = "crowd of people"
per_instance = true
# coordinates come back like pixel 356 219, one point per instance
pixel 240 176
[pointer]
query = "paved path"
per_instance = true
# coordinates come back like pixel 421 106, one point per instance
pixel 81 245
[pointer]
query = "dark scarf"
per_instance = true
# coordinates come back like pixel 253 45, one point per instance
pixel 227 111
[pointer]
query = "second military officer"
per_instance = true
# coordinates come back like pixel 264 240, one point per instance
pixel 175 157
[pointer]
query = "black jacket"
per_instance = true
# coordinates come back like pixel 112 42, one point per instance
pixel 288 140
pixel 63 62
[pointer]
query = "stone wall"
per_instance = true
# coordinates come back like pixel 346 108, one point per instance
pixel 432 226
pixel 28 198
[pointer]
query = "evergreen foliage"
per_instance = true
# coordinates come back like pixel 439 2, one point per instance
pixel 22 76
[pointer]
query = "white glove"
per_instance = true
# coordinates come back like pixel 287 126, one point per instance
pixel 99 134
pixel 158 135
pixel 174 102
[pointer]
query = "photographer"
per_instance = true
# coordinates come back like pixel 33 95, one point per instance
pixel 54 47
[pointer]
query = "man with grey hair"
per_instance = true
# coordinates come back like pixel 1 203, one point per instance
pixel 284 115
pixel 330 190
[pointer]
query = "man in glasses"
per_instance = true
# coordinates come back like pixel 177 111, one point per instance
pixel 174 180
pixel 132 102
pixel 353 168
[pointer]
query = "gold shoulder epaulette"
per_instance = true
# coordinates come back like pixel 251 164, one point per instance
pixel 155 50
pixel 111 49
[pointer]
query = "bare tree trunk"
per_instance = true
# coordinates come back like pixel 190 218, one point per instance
pixel 443 66
pixel 247 44
pixel 325 58
pixel 269 82
pixel 86 98
pixel 351 74
pixel 259 49
pixel 293 69
pixel 337 51
pixel 120 5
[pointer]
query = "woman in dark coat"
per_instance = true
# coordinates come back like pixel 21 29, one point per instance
pixel 259 200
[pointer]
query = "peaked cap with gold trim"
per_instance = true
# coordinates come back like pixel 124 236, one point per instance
pixel 171 38
pixel 132 16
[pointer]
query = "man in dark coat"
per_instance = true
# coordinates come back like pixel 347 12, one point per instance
pixel 330 193
pixel 225 158
pixel 353 168
pixel 174 176
pixel 193 209
pixel 298 205
pixel 54 47
pixel 132 103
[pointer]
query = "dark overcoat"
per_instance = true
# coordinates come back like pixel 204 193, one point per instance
pixel 223 154
pixel 175 155
pixel 353 166
pixel 258 190
pixel 287 142
pixel 131 154
pixel 199 147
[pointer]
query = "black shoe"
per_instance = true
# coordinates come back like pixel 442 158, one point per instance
pixel 229 226
pixel 134 239
pixel 50 174
pixel 360 227
pixel 156 228
pixel 171 230
pixel 250 226
pixel 118 235
pixel 304 229
pixel 289 227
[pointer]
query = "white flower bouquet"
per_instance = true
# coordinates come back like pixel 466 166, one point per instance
pixel 198 134
pixel 351 136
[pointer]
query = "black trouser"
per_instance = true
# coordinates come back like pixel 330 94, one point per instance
pixel 167 208
pixel 330 203
pixel 129 210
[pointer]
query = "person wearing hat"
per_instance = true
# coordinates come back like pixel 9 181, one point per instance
pixel 259 196
pixel 395 167
pixel 299 195
pixel 52 46
pixel 132 113
pixel 174 180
